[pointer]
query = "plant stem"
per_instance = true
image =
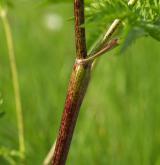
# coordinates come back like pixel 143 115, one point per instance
pixel 77 88
pixel 81 51
pixel 79 81
pixel 76 91
pixel 106 37
pixel 48 158
pixel 15 81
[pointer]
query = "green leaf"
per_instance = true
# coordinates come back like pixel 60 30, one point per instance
pixel 132 35
pixel 101 13
pixel 153 30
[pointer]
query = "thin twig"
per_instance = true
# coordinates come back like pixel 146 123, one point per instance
pixel 16 87
pixel 114 43
pixel 106 37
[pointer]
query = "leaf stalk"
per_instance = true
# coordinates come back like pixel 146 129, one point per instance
pixel 13 66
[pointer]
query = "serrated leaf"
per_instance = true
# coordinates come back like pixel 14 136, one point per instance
pixel 103 12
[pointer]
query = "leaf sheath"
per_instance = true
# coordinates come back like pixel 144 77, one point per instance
pixel 77 88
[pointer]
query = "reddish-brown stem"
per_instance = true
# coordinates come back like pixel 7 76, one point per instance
pixel 79 81
pixel 76 91
pixel 77 88
pixel 81 51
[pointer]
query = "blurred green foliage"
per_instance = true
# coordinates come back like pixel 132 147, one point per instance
pixel 119 120
pixel 142 18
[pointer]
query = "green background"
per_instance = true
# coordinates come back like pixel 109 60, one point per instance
pixel 119 122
